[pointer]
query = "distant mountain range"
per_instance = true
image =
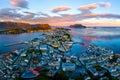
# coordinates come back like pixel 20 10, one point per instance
pixel 19 25
pixel 77 26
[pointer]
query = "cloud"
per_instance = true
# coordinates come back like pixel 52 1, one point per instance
pixel 110 16
pixel 9 12
pixel 44 14
pixel 19 3
pixel 93 15
pixel 94 6
pixel 67 19
pixel 89 6
pixel 86 9
pixel 28 16
pixel 59 9
pixel 105 4
pixel 16 14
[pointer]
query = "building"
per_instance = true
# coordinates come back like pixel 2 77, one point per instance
pixel 68 67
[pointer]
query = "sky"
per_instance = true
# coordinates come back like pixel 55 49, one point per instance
pixel 62 12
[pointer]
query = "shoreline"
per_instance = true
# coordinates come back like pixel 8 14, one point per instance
pixel 50 52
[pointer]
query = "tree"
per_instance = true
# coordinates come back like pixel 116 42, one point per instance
pixel 80 77
pixel 62 76
pixel 108 75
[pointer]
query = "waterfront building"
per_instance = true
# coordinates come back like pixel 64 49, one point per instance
pixel 68 67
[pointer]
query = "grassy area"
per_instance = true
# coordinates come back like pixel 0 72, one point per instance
pixel 114 59
pixel 98 67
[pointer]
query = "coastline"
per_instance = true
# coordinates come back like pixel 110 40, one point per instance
pixel 52 49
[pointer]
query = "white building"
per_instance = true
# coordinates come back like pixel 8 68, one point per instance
pixel 54 63
pixel 68 67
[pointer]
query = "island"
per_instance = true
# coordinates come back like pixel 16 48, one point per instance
pixel 77 26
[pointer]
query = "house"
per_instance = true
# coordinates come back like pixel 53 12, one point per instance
pixel 54 63
pixel 68 67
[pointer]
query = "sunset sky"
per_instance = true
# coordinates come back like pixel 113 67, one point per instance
pixel 62 12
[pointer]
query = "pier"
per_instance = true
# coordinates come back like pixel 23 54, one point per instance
pixel 12 44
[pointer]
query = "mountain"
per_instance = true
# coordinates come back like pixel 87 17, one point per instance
pixel 41 26
pixel 13 25
pixel 77 26
pixel 19 25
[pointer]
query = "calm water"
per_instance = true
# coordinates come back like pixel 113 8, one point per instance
pixel 8 39
pixel 104 37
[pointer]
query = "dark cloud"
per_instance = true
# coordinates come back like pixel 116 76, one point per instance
pixel 28 16
pixel 44 14
pixel 110 16
pixel 8 12
pixel 93 15
pixel 19 3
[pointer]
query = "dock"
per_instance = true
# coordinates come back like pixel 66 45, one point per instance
pixel 12 44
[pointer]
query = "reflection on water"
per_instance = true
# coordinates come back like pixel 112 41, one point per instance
pixel 8 39
pixel 104 37
pixel 97 32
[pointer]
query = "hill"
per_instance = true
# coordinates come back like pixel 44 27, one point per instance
pixel 77 26
pixel 17 27
pixel 13 25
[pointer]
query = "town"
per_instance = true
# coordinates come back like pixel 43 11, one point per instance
pixel 45 58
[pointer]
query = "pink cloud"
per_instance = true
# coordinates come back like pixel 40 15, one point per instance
pixel 89 6
pixel 94 5
pixel 62 8
pixel 93 15
pixel 105 4
pixel 19 3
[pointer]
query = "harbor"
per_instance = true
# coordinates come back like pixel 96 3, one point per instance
pixel 59 40
pixel 48 55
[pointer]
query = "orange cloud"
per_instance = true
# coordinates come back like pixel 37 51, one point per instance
pixel 93 15
pixel 62 8
pixel 89 14
pixel 94 5
pixel 89 6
